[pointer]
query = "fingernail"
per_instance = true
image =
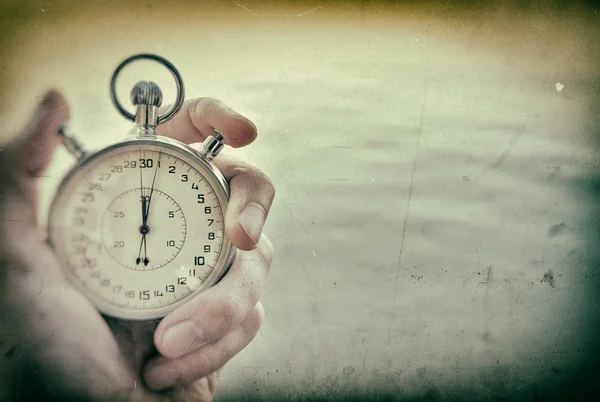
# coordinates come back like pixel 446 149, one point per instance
pixel 180 339
pixel 252 219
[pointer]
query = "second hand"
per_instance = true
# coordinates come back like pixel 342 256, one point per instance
pixel 144 231
pixel 146 259
pixel 143 228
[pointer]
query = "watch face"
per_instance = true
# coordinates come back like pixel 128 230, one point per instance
pixel 139 227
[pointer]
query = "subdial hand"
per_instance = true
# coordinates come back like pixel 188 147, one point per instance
pixel 139 259
pixel 145 229
pixel 143 243
pixel 146 259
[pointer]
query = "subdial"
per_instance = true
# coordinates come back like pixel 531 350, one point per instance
pixel 143 233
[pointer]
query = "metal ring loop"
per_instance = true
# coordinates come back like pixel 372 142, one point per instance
pixel 178 81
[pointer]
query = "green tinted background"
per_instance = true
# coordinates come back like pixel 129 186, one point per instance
pixel 436 222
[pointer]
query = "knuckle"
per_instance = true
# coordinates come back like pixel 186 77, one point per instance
pixel 179 375
pixel 254 177
pixel 205 359
pixel 266 250
pixel 268 187
pixel 252 324
pixel 262 179
pixel 198 330
pixel 194 368
pixel 257 319
pixel 206 106
pixel 231 309
pixel 242 171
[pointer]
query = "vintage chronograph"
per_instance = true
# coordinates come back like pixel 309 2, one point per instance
pixel 140 226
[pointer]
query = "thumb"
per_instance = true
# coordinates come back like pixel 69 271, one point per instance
pixel 32 149
pixel 28 155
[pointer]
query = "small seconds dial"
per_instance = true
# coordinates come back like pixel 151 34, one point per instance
pixel 140 228
pixel 140 243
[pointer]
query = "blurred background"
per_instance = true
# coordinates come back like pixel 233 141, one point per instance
pixel 436 222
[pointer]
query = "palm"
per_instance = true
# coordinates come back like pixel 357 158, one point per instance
pixel 92 349
pixel 105 352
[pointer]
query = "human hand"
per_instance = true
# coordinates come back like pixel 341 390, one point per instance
pixel 55 343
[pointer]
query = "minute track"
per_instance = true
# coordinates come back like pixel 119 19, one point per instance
pixel 173 193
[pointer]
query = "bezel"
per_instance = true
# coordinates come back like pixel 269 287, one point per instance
pixel 224 260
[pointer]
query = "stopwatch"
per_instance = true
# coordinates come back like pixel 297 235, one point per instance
pixel 139 224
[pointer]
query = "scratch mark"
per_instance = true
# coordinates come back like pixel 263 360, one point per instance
pixel 308 12
pixel 579 282
pixel 589 238
pixel 509 148
pixel 250 11
pixel 565 320
pixel 410 190
pixel 488 281
pixel 555 172
pixel 526 215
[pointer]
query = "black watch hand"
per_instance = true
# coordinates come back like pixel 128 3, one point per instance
pixel 143 228
pixel 146 259
pixel 139 257
pixel 152 188
pixel 144 210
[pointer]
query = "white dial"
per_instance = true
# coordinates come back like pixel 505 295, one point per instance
pixel 139 227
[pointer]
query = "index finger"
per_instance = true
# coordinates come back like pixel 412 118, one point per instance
pixel 198 118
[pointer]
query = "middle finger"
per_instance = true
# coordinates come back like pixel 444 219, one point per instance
pixel 220 309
